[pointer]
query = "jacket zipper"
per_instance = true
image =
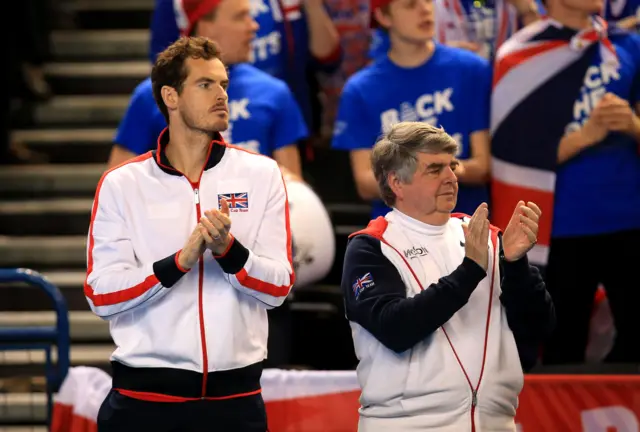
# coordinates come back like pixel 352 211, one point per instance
pixel 196 199
pixel 474 391
pixel 474 402
pixel 203 339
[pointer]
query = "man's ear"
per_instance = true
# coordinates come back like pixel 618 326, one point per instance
pixel 170 97
pixel 396 185
pixel 382 18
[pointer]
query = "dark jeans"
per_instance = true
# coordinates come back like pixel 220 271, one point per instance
pixel 120 413
pixel 575 268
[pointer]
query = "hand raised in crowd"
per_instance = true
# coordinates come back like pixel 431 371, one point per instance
pixel 615 113
pixel 476 235
pixel 521 233
pixel 193 249
pixel 215 226
pixel 594 130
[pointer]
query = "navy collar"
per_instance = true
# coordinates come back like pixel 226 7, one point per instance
pixel 217 148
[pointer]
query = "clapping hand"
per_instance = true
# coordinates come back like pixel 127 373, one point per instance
pixel 615 113
pixel 215 226
pixel 521 233
pixel 476 237
pixel 192 249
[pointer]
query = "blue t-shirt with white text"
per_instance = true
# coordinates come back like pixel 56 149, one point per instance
pixel 598 190
pixel 263 115
pixel 452 90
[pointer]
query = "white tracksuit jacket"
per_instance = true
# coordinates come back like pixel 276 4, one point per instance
pixel 434 333
pixel 203 332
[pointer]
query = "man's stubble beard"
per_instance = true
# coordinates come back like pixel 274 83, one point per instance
pixel 210 132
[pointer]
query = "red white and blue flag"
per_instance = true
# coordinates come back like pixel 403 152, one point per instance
pixel 362 283
pixel 537 79
pixel 235 200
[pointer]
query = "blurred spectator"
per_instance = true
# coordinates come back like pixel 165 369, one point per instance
pixel 351 18
pixel 263 116
pixel 164 28
pixel 625 14
pixel 419 80
pixel 26 58
pixel 34 18
pixel 578 159
pixel 477 25
pixel 294 36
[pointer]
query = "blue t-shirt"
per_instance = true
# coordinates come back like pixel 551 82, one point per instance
pixel 164 28
pixel 263 115
pixel 268 47
pixel 452 90
pixel 598 191
pixel 280 48
pixel 614 10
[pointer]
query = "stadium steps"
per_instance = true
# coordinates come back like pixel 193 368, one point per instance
pixel 69 146
pixel 81 45
pixel 95 110
pixel 115 78
pixel 98 59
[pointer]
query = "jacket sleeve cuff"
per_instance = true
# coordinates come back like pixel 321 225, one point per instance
pixel 517 270
pixel 168 270
pixel 234 258
pixel 473 271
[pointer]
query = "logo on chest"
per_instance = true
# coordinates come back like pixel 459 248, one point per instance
pixel 238 202
pixel 415 252
pixel 426 108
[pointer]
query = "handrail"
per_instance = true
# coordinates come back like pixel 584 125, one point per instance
pixel 60 335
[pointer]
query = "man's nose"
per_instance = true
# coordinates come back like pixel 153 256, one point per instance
pixel 254 25
pixel 426 6
pixel 450 175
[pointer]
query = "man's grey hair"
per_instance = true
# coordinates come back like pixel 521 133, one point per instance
pixel 396 151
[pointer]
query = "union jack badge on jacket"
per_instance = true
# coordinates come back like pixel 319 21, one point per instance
pixel 362 283
pixel 238 202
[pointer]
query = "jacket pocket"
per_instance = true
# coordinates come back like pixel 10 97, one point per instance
pixel 434 386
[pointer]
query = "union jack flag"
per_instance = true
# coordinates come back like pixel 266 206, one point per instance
pixel 235 200
pixel 361 283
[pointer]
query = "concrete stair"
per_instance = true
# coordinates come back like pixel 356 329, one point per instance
pixel 95 110
pixel 69 146
pixel 100 44
pixel 115 78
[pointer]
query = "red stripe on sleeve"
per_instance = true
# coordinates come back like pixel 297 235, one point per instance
pixel 266 287
pixel 127 293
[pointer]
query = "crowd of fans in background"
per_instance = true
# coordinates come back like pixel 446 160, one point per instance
pixel 351 72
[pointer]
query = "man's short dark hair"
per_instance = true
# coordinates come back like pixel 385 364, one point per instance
pixel 170 69
pixel 396 151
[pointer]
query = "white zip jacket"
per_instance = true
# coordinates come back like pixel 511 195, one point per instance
pixel 206 320
pixel 434 333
